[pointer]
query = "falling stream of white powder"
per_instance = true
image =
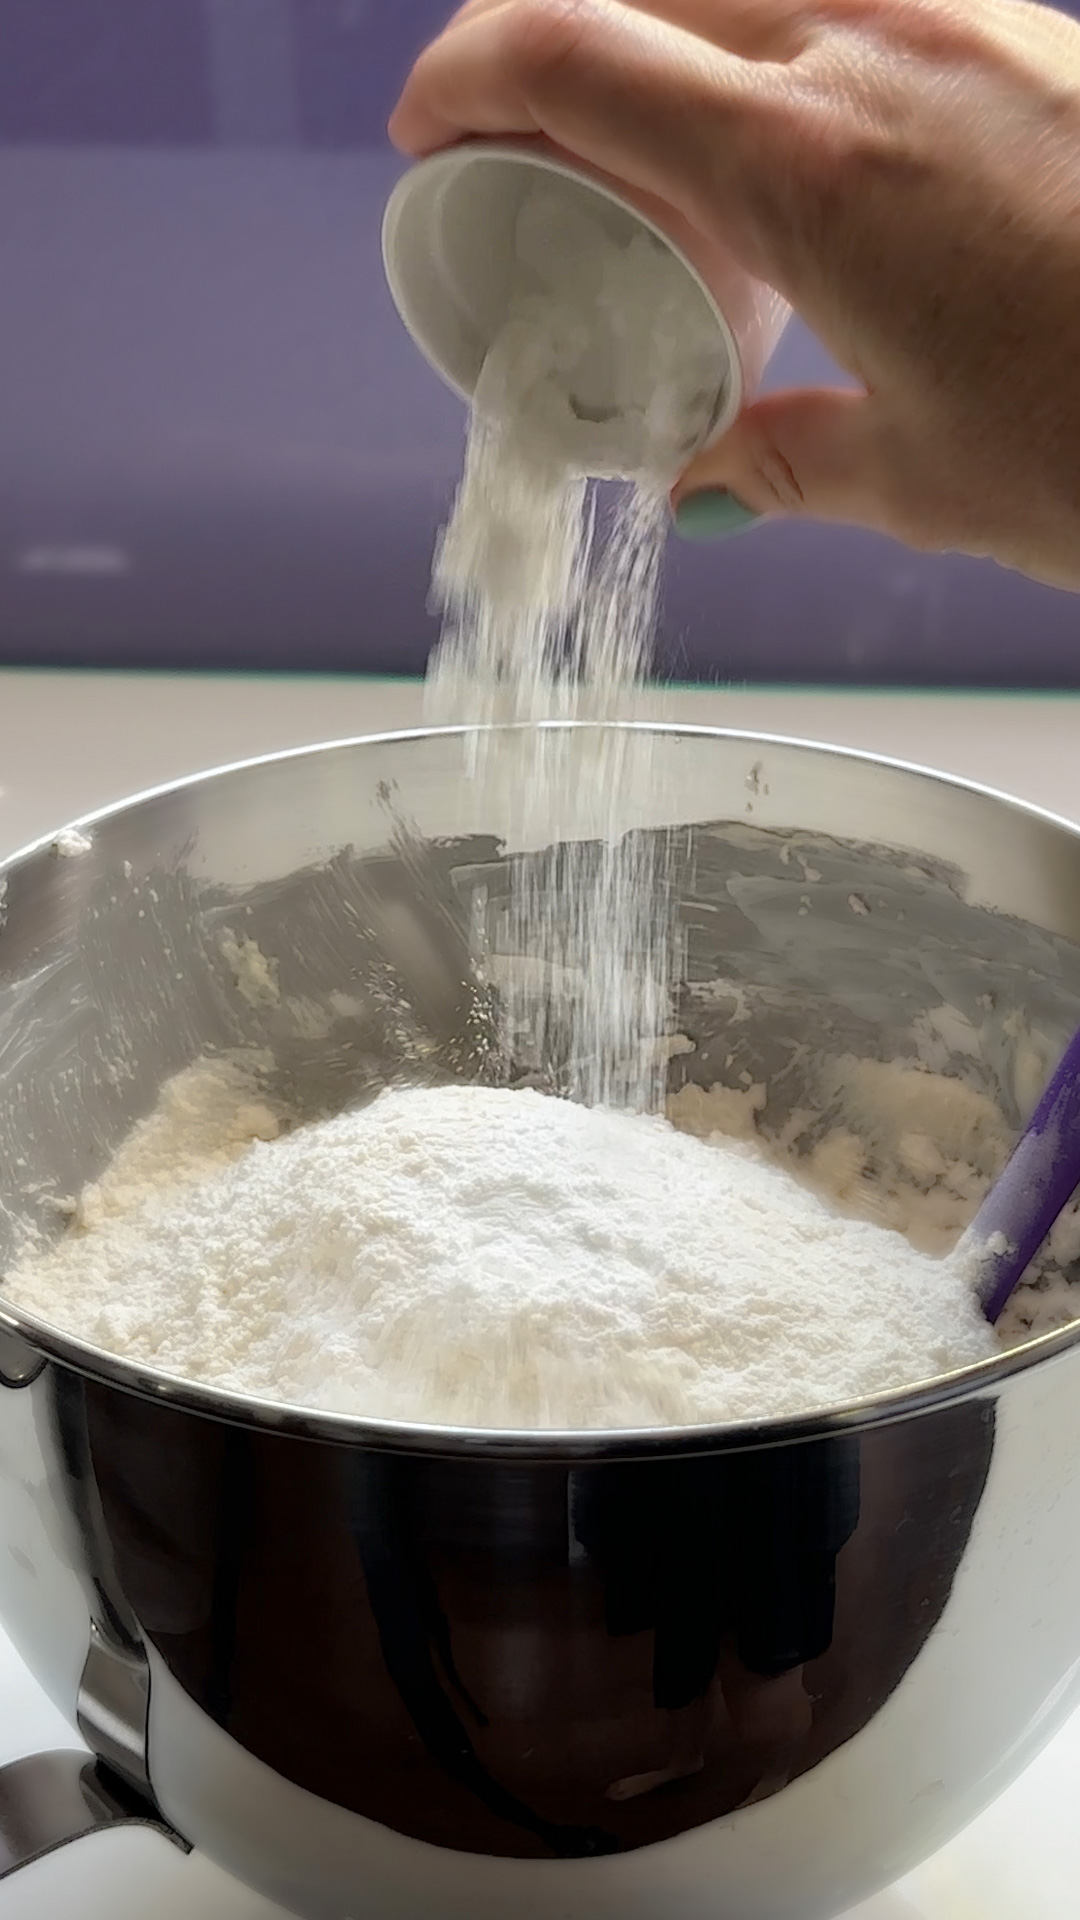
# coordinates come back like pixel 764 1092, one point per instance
pixel 550 606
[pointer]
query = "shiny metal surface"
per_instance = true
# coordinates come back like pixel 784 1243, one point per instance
pixel 378 1671
pixel 53 1798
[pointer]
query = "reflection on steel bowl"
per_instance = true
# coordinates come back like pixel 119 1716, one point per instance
pixel 379 1671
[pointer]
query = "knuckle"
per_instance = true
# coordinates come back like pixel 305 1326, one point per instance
pixel 773 475
pixel 544 37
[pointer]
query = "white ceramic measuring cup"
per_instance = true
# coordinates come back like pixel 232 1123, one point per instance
pixel 450 253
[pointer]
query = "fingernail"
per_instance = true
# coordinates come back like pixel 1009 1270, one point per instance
pixel 712 515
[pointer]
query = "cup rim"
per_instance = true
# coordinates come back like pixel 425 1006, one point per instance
pixel 541 155
pixel 982 1380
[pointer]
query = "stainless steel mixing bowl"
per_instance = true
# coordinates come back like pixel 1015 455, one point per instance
pixel 392 1672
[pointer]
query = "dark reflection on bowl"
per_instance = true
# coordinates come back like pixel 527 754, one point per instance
pixel 510 1660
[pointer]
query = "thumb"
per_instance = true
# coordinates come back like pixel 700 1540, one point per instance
pixel 820 452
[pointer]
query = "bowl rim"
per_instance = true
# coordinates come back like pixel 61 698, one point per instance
pixel 552 1445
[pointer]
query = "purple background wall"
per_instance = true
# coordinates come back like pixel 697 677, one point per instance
pixel 217 446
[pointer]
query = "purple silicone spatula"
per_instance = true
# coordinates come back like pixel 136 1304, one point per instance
pixel 1039 1181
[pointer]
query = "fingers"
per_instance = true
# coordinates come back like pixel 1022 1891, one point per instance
pixel 754 29
pixel 826 454
pixel 763 29
pixel 624 92
pixel 837 456
pixel 562 68
pixel 552 66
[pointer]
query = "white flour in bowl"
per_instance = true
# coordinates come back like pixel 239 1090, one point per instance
pixel 475 1256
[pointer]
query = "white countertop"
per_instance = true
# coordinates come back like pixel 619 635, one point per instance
pixel 73 742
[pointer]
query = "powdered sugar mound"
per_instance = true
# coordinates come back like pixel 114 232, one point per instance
pixel 476 1256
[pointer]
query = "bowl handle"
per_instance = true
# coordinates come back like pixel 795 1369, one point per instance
pixel 51 1798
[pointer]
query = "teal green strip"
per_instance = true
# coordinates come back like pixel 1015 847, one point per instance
pixel 837 689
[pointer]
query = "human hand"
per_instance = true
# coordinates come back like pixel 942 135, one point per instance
pixel 905 172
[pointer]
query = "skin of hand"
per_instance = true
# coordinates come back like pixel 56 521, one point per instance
pixel 905 172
